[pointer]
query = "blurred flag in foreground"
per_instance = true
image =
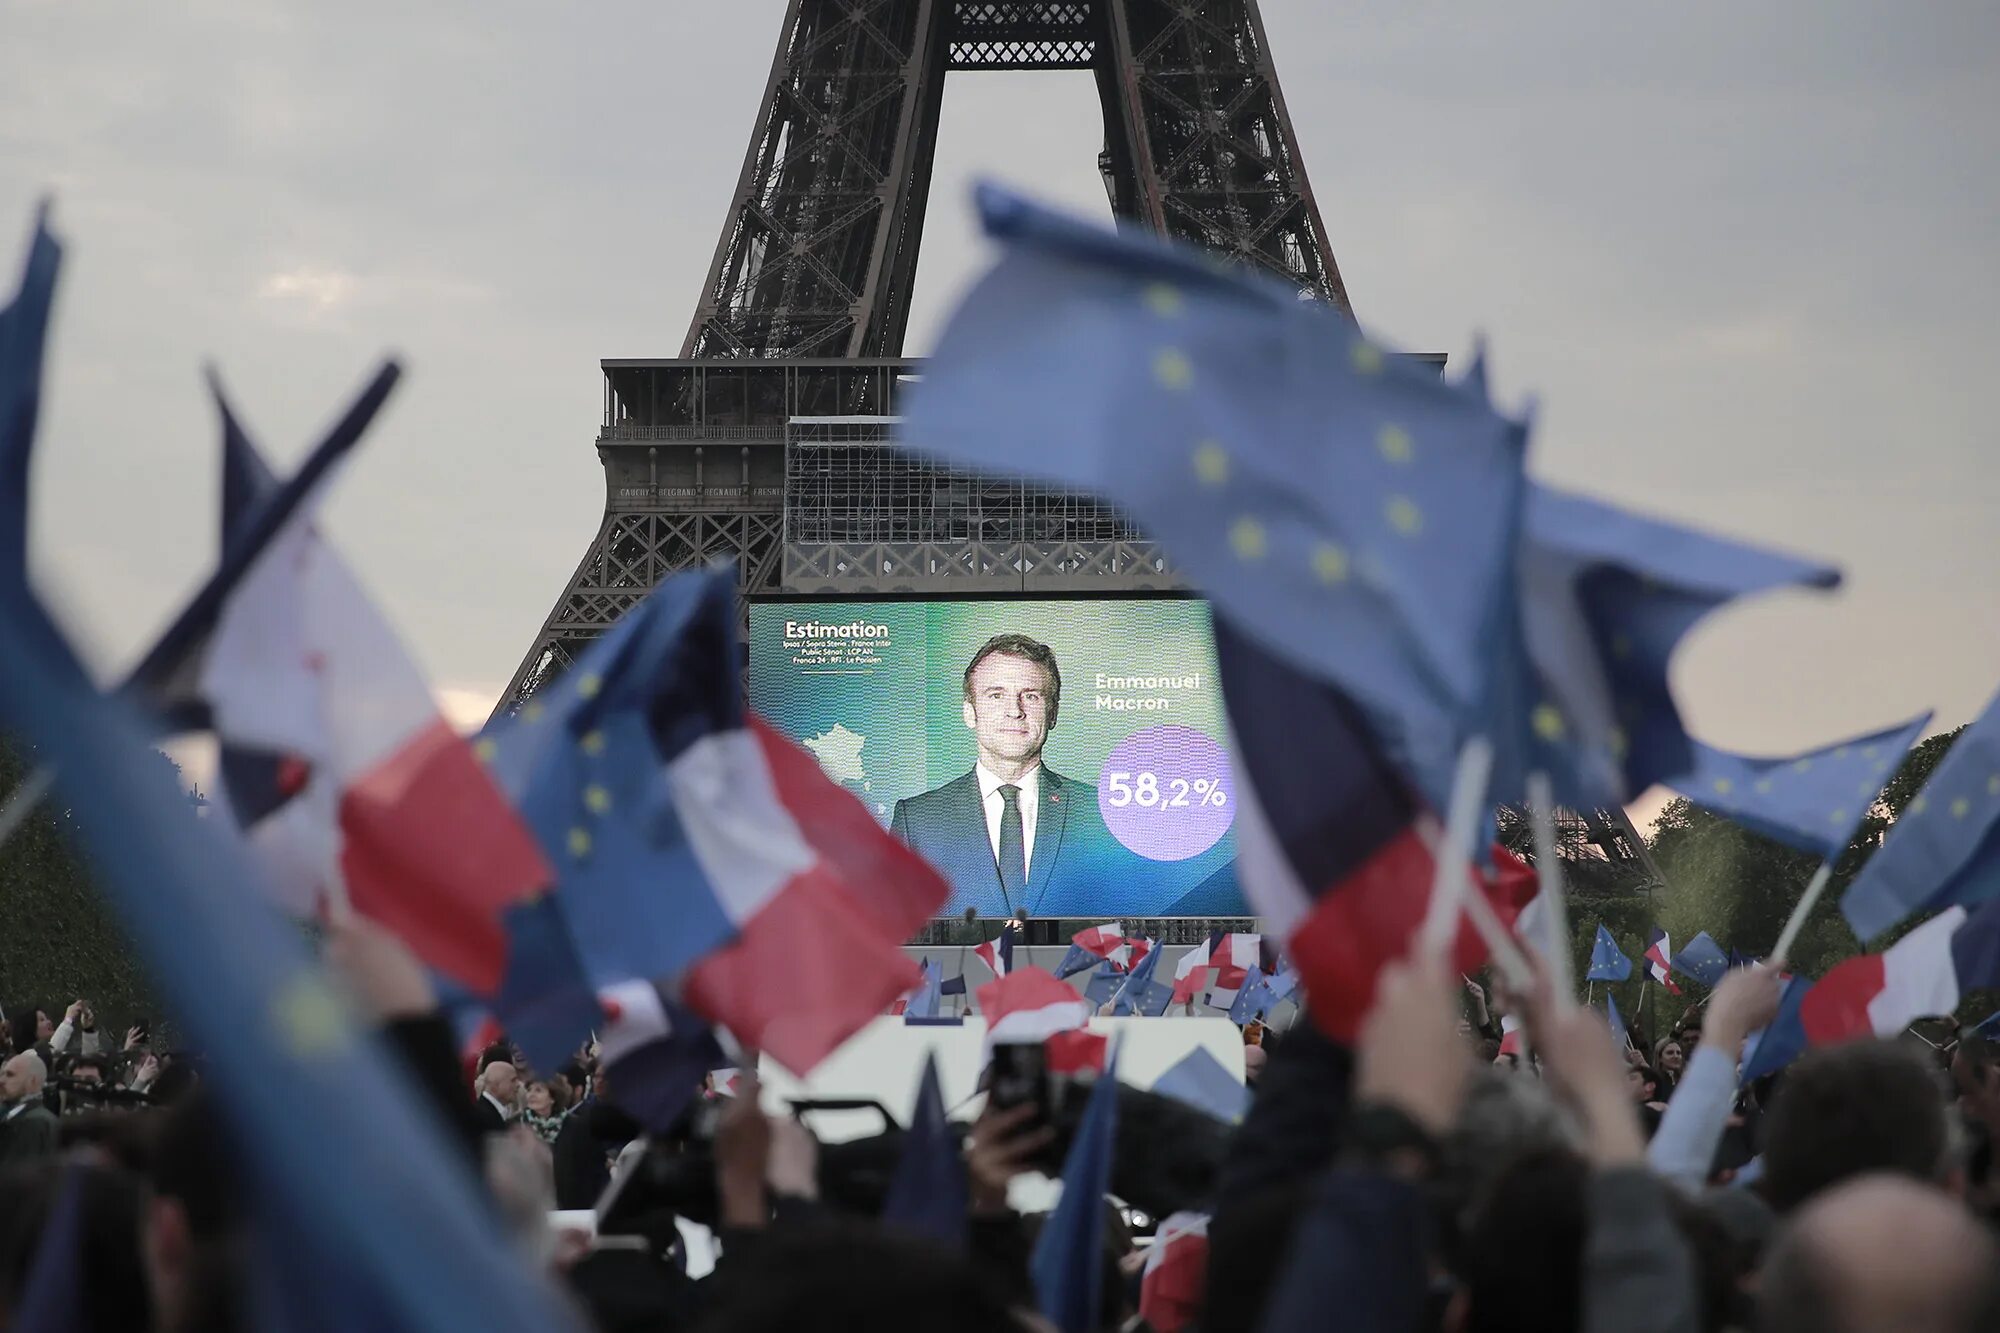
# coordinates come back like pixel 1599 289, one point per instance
pixel 1922 975
pixel 927 1193
pixel 1607 961
pixel 1068 1261
pixel 655 1053
pixel 50 1297
pixel 1605 596
pixel 338 768
pixel 1811 801
pixel 1774 1047
pixel 24 328
pixel 1176 1273
pixel 1349 509
pixel 697 848
pixel 1945 848
pixel 1030 1005
pixel 290 1072
pixel 1334 851
pixel 1199 1080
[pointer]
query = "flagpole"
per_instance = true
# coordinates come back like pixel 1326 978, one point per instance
pixel 1548 869
pixel 1807 901
pixel 1450 881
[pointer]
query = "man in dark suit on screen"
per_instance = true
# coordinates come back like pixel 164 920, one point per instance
pixel 1008 835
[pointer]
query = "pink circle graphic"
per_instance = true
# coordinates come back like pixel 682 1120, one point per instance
pixel 1166 793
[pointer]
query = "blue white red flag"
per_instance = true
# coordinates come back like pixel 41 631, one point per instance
pixel 1334 850
pixel 1030 1005
pixel 698 849
pixel 998 953
pixel 1659 959
pixel 1175 1280
pixel 1923 975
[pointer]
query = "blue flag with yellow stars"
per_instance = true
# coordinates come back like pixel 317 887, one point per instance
pixel 1607 961
pixel 1703 959
pixel 583 766
pixel 1812 801
pixel 1605 596
pixel 1945 848
pixel 1348 508
pixel 1067 1265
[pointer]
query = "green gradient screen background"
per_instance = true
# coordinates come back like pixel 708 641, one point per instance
pixel 880 706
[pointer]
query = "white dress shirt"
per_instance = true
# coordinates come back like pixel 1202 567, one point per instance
pixel 506 1111
pixel 995 804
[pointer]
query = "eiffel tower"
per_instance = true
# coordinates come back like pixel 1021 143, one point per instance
pixel 765 443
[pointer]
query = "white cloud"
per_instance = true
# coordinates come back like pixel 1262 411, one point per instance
pixel 314 289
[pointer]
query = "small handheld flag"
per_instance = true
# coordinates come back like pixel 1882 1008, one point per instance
pixel 1659 965
pixel 1607 961
pixel 1812 801
pixel 1702 958
pixel 1943 850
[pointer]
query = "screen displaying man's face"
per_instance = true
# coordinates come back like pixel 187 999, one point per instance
pixel 1009 708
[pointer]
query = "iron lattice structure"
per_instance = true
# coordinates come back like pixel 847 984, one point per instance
pixel 765 443
pixel 820 252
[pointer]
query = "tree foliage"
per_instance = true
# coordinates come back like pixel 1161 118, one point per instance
pixel 58 941
pixel 1721 878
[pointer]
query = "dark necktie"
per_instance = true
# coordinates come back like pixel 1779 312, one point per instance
pixel 1013 849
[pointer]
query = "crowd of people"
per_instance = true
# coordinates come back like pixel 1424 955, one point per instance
pixel 1421 1180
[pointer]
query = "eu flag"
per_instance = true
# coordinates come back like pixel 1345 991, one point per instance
pixel 1811 801
pixel 1945 848
pixel 1616 1019
pixel 1607 961
pixel 1605 596
pixel 1068 1261
pixel 1347 508
pixel 1703 959
pixel 927 1193
pixel 584 765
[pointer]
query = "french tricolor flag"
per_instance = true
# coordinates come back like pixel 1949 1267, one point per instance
pixel 1239 956
pixel 342 776
pixel 698 848
pixel 1659 959
pixel 821 907
pixel 1030 1005
pixel 1924 974
pixel 998 953
pixel 655 1053
pixel 1105 941
pixel 1075 1052
pixel 1176 1274
pixel 1333 847
pixel 1334 852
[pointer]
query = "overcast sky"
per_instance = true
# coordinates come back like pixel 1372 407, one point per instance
pixel 1746 256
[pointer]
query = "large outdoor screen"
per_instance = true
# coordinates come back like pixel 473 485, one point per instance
pixel 1078 770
